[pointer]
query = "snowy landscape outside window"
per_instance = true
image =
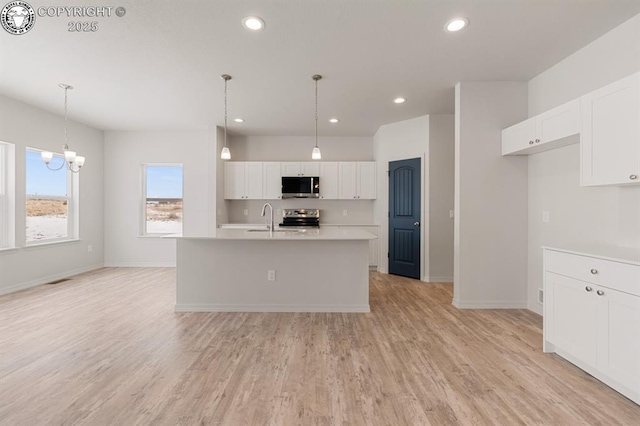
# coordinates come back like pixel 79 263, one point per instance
pixel 50 208
pixel 162 206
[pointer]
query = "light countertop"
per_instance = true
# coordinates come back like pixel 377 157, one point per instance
pixel 617 254
pixel 322 234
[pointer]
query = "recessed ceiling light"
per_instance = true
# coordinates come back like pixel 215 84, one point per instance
pixel 253 23
pixel 399 100
pixel 238 120
pixel 333 120
pixel 456 24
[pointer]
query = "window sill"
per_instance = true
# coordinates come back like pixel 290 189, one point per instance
pixel 50 243
pixel 155 236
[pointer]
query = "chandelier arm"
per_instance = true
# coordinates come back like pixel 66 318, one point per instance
pixel 61 166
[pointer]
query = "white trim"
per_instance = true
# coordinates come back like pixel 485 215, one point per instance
pixel 490 304
pixel 48 279
pixel 536 307
pixel 50 242
pixel 439 279
pixel 125 264
pixel 215 307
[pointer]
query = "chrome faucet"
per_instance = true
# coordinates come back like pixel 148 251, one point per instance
pixel 264 210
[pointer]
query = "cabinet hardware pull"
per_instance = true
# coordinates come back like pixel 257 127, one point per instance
pixel 537 140
pixel 600 292
pixel 633 177
pixel 594 271
pixel 588 288
pixel 530 142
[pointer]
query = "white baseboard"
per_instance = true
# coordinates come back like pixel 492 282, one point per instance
pixel 536 307
pixel 490 304
pixel 213 307
pixel 116 264
pixel 439 279
pixel 48 279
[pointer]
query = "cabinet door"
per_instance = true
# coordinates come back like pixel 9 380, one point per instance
pixel 558 123
pixel 572 316
pixel 329 180
pixel 347 180
pixel 619 337
pixel 234 180
pixel 519 136
pixel 253 185
pixel 373 245
pixel 309 168
pixel 366 180
pixel 290 169
pixel 610 136
pixel 271 181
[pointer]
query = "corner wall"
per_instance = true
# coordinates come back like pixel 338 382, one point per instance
pixel 607 216
pixel 125 152
pixel 490 244
pixel 27 126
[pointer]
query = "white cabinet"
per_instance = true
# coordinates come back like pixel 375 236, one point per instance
pixel 271 181
pixel 357 180
pixel 592 316
pixel 243 180
pixel 305 168
pixel 329 180
pixel 610 138
pixel 549 130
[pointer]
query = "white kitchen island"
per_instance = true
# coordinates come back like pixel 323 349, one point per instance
pixel 316 270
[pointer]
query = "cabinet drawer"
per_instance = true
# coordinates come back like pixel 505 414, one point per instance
pixel 615 275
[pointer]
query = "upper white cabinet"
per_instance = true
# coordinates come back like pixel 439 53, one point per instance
pixel 551 129
pixel 357 180
pixel 271 181
pixel 329 180
pixel 610 145
pixel 243 180
pixel 305 168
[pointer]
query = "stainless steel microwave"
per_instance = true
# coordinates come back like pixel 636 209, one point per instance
pixel 300 187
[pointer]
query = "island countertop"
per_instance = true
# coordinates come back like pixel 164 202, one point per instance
pixel 314 234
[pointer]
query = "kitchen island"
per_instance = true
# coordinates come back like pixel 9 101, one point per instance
pixel 238 270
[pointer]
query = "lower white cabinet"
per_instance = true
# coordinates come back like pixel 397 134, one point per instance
pixel 592 316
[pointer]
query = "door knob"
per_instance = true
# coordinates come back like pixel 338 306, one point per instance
pixel 416 223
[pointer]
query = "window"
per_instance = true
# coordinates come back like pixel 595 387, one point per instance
pixel 162 203
pixel 51 207
pixel 7 190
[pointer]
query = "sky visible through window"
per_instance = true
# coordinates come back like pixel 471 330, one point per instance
pixel 41 180
pixel 164 181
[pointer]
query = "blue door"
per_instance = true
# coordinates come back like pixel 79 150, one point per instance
pixel 404 218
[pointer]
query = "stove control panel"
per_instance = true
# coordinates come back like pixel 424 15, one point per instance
pixel 315 213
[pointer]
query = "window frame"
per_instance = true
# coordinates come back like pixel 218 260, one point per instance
pixel 7 196
pixel 72 198
pixel 142 225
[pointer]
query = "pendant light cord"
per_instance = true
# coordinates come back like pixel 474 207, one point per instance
pixel 316 80
pixel 66 122
pixel 225 112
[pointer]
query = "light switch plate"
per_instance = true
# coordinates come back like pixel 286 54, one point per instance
pixel 545 216
pixel 246 212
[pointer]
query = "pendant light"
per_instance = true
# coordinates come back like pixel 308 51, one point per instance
pixel 316 155
pixel 225 154
pixel 73 162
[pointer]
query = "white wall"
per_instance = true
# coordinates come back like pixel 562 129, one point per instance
pixel 27 126
pixel 440 193
pixel 125 152
pixel 609 216
pixel 298 148
pixel 490 244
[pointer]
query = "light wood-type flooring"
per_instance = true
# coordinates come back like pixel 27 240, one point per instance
pixel 106 348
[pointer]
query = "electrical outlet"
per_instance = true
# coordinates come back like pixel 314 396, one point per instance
pixel 271 275
pixel 451 214
pixel 545 216
pixel 246 212
pixel 89 248
pixel 540 295
pixel 345 213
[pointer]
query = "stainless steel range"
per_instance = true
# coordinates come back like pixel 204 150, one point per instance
pixel 301 218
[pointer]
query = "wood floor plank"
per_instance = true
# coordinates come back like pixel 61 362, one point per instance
pixel 106 348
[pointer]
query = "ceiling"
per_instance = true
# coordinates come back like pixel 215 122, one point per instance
pixel 159 66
